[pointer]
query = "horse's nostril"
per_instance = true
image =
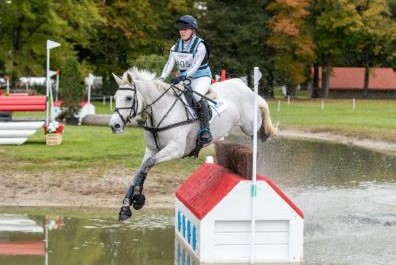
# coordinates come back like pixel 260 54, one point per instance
pixel 117 126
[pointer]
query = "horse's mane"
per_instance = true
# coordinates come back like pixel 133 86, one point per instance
pixel 146 75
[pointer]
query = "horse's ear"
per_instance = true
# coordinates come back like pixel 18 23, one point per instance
pixel 117 79
pixel 129 77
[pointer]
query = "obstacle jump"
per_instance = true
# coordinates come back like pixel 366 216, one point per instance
pixel 17 132
pixel 213 214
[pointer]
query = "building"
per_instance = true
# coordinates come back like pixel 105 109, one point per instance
pixel 348 82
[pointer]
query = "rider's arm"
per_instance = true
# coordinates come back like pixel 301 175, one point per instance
pixel 169 65
pixel 198 58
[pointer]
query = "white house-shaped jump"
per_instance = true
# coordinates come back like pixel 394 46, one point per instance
pixel 213 220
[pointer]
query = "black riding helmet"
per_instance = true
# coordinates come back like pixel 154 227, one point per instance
pixel 187 21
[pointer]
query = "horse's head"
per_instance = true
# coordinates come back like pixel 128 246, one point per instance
pixel 128 103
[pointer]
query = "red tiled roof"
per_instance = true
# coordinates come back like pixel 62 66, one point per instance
pixel 352 78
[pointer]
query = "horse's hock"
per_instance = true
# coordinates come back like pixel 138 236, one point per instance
pixel 213 213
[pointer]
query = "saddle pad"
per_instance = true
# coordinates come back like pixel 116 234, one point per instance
pixel 217 108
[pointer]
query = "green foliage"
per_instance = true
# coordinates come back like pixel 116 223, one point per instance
pixel 71 87
pixel 152 62
pixel 235 33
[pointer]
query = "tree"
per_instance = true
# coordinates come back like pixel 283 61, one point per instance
pixel 376 41
pixel 336 26
pixel 26 25
pixel 291 39
pixel 129 32
pixel 71 88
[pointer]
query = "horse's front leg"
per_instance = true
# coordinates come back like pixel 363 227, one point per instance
pixel 134 195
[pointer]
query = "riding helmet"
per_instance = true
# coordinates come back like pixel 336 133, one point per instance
pixel 187 21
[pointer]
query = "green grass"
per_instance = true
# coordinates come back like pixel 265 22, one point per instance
pixel 374 119
pixel 97 147
pixel 87 147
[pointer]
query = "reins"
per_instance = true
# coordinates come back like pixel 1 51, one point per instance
pixel 156 129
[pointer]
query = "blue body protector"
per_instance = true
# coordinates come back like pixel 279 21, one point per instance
pixel 184 57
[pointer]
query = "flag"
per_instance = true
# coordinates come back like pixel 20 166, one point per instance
pixel 257 75
pixel 52 44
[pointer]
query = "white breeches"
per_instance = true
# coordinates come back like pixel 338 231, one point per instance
pixel 200 85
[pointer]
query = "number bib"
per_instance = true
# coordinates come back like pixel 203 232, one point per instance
pixel 183 60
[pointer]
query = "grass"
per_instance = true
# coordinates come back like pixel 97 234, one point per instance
pixel 86 147
pixel 97 147
pixel 375 119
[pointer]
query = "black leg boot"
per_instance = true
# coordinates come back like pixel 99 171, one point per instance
pixel 204 135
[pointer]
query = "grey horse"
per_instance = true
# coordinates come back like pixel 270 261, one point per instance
pixel 170 124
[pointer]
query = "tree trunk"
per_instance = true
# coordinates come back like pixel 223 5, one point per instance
pixel 326 79
pixel 366 80
pixel 315 84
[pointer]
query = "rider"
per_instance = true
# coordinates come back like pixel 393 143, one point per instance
pixel 191 55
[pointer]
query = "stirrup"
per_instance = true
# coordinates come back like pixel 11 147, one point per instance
pixel 205 136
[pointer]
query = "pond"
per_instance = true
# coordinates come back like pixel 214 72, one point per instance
pixel 347 195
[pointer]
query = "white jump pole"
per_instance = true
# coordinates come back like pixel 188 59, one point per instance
pixel 257 77
pixel 51 95
pixel 90 83
pixel 57 85
pixel 50 45
pixel 8 86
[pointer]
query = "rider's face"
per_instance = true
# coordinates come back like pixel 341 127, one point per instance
pixel 185 34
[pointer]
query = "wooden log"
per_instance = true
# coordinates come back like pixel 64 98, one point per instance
pixel 235 157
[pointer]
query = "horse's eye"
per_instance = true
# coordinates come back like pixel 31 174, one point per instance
pixel 128 98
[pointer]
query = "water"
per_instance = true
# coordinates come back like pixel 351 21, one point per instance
pixel 95 238
pixel 347 195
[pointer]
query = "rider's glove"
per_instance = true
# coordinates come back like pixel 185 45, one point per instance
pixel 178 79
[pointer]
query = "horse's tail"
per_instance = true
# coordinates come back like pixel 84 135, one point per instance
pixel 267 129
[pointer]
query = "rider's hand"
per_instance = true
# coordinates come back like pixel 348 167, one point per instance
pixel 178 79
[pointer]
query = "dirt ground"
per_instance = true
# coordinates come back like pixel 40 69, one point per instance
pixel 83 188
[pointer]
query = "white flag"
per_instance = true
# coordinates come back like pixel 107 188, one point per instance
pixel 52 73
pixel 91 78
pixel 257 75
pixel 52 44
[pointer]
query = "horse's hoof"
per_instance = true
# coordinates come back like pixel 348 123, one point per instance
pixel 138 201
pixel 125 213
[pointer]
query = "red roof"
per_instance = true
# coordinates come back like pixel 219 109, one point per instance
pixel 352 78
pixel 210 183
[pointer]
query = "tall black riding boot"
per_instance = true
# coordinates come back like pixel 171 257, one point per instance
pixel 204 135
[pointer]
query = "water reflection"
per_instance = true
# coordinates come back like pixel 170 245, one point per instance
pixel 99 240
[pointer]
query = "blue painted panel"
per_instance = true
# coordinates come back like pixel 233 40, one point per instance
pixel 189 232
pixel 184 226
pixel 179 220
pixel 194 237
